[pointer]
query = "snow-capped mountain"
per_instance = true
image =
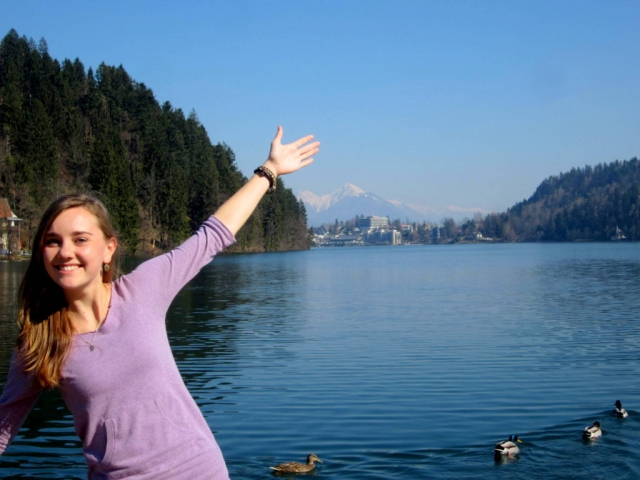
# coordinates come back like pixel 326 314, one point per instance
pixel 349 201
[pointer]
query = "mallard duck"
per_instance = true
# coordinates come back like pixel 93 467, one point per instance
pixel 594 431
pixel 295 467
pixel 508 447
pixel 619 411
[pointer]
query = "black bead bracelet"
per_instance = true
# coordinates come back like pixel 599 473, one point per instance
pixel 268 174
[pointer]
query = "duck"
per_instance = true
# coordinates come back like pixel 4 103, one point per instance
pixel 591 432
pixel 619 411
pixel 508 447
pixel 296 467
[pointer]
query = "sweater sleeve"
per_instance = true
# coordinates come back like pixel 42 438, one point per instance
pixel 160 279
pixel 18 398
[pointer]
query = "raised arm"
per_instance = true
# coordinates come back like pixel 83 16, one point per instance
pixel 282 159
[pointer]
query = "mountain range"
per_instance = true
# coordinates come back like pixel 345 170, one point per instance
pixel 350 200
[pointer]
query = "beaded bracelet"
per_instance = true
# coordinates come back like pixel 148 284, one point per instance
pixel 268 174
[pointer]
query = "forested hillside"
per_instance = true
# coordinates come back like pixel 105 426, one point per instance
pixel 65 129
pixel 584 204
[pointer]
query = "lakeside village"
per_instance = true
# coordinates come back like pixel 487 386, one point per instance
pixel 380 231
pixel 356 232
pixel 374 230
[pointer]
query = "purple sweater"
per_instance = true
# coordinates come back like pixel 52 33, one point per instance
pixel 130 405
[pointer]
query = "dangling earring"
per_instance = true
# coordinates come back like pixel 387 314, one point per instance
pixel 106 267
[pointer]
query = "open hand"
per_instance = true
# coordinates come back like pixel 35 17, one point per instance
pixel 293 156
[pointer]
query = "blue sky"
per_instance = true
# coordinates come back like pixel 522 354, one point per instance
pixel 434 103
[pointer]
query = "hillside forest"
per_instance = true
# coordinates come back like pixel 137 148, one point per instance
pixel 590 203
pixel 593 203
pixel 66 129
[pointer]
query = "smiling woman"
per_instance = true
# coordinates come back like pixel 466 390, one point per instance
pixel 75 245
pixel 76 253
pixel 103 340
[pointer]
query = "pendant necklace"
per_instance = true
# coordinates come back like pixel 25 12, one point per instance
pixel 93 337
pixel 91 346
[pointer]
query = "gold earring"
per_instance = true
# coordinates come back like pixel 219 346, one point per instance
pixel 106 267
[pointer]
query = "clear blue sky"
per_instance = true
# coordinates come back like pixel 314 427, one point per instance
pixel 467 103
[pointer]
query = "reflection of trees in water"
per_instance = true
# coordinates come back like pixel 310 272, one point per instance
pixel 228 291
pixel 229 299
pixel 587 281
pixel 587 309
pixel 11 274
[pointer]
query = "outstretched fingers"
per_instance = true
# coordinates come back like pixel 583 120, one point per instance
pixel 292 156
pixel 308 150
pixel 305 162
pixel 301 141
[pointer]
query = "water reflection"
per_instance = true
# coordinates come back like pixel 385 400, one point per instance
pixel 588 307
pixel 403 362
pixel 11 274
pixel 238 310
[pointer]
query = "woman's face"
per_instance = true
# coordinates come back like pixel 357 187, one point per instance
pixel 75 248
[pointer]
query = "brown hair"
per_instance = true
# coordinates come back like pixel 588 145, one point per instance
pixel 45 329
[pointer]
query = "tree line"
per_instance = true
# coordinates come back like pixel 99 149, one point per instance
pixel 65 129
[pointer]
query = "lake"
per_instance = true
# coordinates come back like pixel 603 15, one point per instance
pixel 404 362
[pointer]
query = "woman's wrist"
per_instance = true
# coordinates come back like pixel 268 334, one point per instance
pixel 267 171
pixel 268 164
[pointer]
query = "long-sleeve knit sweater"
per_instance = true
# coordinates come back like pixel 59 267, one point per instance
pixel 130 405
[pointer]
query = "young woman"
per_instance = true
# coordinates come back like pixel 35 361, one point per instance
pixel 103 342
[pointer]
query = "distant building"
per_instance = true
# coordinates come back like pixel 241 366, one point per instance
pixel 343 241
pixel 9 230
pixel 619 235
pixel 478 237
pixel 383 237
pixel 371 223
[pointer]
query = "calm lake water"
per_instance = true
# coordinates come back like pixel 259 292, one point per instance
pixel 405 362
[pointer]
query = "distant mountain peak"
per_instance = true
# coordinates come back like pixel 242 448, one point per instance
pixel 350 188
pixel 320 203
pixel 351 200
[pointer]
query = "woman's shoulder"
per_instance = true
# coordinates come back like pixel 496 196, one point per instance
pixel 172 270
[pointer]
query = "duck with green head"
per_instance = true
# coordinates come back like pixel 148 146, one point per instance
pixel 508 447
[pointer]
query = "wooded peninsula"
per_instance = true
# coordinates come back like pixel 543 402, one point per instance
pixel 594 203
pixel 65 129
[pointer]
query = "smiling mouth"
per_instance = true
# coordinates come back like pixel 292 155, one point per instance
pixel 67 268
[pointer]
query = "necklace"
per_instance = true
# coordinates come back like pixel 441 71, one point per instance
pixel 93 337
pixel 91 346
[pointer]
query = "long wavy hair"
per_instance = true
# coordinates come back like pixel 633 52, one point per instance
pixel 45 328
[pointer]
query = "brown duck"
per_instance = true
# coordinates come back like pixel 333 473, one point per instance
pixel 296 467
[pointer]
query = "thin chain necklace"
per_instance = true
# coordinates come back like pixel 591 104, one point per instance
pixel 91 346
pixel 93 337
